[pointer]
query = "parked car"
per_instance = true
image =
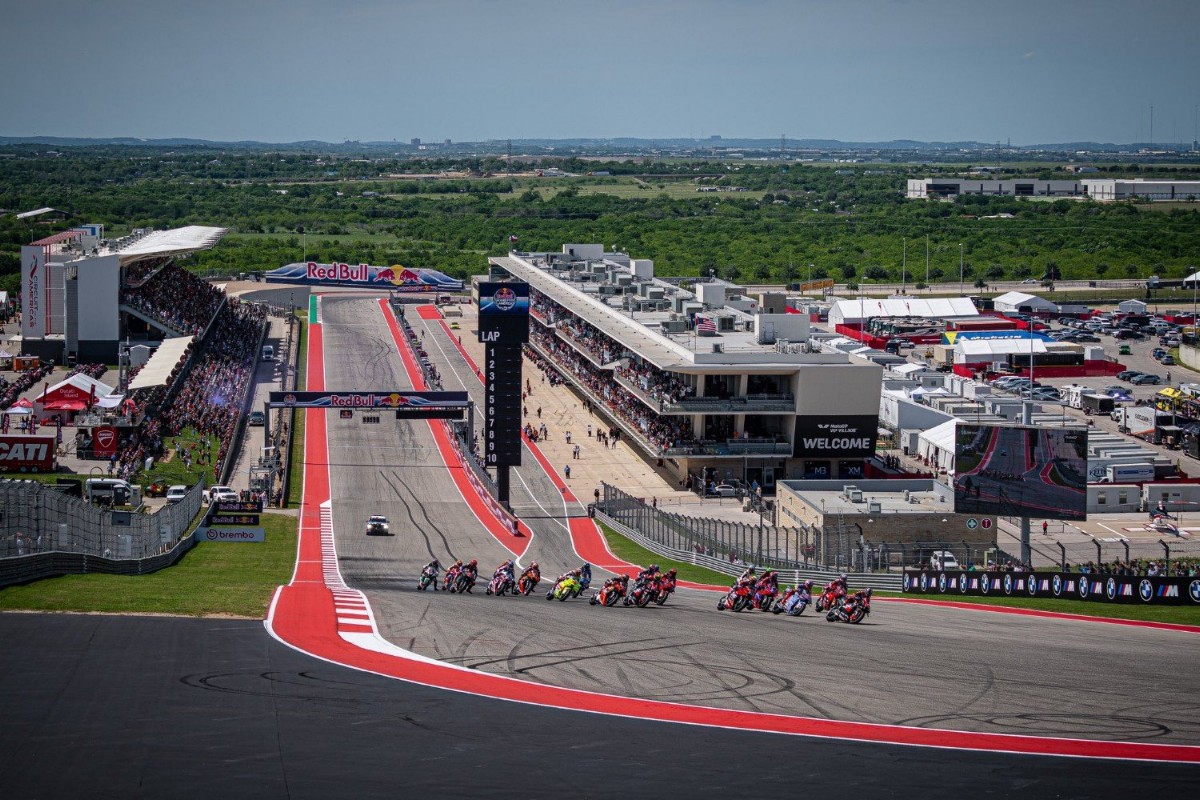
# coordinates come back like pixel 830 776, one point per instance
pixel 256 418
pixel 1128 375
pixel 724 490
pixel 176 493
pixel 1167 361
pixel 1046 394
pixel 1146 378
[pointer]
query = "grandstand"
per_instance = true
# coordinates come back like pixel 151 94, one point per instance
pixel 82 294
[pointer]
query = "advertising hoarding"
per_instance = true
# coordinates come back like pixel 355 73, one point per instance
pixel 1020 471
pixel 26 453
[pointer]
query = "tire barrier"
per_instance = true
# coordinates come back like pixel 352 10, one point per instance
pixel 1141 589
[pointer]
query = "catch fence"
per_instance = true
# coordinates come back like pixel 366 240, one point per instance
pixel 37 520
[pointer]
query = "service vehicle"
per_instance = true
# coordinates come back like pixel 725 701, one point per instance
pixel 1094 403
pixel 1128 473
pixel 377 525
pixel 176 493
pixel 256 418
pixel 219 493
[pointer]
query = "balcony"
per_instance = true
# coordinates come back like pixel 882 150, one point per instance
pixel 734 447
pixel 581 348
pixel 751 404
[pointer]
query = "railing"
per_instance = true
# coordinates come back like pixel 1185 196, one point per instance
pixel 748 404
pixel 733 447
pixel 579 347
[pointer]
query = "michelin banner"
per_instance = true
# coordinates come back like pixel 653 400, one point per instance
pixel 1056 585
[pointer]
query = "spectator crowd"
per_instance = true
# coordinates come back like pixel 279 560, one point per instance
pixel 177 298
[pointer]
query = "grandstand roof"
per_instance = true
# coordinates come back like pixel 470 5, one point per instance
pixel 162 363
pixel 177 241
pixel 37 212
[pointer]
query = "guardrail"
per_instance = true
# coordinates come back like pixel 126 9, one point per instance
pixel 23 569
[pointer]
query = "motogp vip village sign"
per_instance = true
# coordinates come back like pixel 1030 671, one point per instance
pixel 836 436
pixel 395 278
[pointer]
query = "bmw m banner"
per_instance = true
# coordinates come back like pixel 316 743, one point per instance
pixel 1056 585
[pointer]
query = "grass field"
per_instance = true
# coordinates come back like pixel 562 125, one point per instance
pixel 296 448
pixel 627 550
pixel 226 579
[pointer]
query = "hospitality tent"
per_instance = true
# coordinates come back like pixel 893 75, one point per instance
pixel 160 366
pixel 76 392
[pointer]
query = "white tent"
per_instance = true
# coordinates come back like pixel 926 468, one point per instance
pixel 982 351
pixel 937 445
pixel 1132 307
pixel 162 363
pixel 844 311
pixel 1018 301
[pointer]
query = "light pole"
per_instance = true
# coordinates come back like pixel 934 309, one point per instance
pixel 960 268
pixel 927 260
pixel 903 264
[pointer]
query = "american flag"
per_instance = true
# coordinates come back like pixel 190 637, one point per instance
pixel 513 238
pixel 705 325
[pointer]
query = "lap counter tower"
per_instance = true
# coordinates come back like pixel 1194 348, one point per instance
pixel 503 330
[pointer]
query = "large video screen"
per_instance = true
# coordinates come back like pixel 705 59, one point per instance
pixel 1018 471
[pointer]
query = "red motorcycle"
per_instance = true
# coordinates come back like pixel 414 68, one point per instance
pixel 500 584
pixel 666 586
pixel 853 611
pixel 765 598
pixel 642 593
pixel 608 596
pixel 451 577
pixel 739 597
pixel 832 597
pixel 527 584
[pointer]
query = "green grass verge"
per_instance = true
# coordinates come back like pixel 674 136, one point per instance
pixel 634 553
pixel 212 578
pixel 296 448
pixel 1184 615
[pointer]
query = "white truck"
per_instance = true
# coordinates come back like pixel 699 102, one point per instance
pixel 1128 473
pixel 1141 421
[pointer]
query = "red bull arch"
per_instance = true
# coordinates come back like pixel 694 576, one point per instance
pixel 393 278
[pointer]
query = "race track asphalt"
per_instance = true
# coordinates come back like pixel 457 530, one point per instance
pixel 145 707
pixel 907 664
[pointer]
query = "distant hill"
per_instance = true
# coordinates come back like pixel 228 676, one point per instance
pixel 600 144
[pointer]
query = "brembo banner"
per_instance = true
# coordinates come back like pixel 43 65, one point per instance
pixel 1060 585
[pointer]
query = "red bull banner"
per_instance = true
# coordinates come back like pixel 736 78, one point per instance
pixel 393 278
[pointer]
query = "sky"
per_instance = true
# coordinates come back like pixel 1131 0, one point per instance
pixel 1025 71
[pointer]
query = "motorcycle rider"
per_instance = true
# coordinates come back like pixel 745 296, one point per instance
pixel 571 573
pixel 452 573
pixel 433 568
pixel 533 573
pixel 859 598
pixel 646 573
pixel 585 575
pixel 766 588
pixel 797 599
pixel 471 569
pixel 504 569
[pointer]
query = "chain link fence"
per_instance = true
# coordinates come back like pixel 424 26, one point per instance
pixel 36 519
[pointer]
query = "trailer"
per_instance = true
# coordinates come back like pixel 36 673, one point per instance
pixel 1092 403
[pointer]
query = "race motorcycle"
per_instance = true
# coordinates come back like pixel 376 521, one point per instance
pixel 428 576
pixel 832 597
pixel 793 602
pixel 608 596
pixel 500 584
pixel 666 586
pixel 738 598
pixel 567 587
pixel 463 582
pixel 643 592
pixel 451 577
pixel 763 600
pixel 853 611
pixel 527 584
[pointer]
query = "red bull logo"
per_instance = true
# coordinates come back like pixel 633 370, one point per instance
pixel 398 275
pixel 338 272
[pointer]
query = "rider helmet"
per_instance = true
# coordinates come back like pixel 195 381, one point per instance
pixel 534 565
pixel 843 577
pixel 458 563
pixel 576 572
pixel 671 571
pixel 652 568
pixel 808 584
pixel 867 593
pixel 473 563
